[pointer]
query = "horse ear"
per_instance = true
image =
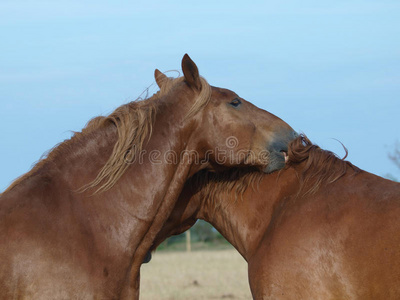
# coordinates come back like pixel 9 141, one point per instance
pixel 160 77
pixel 191 72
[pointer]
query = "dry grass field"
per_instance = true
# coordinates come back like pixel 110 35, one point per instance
pixel 220 274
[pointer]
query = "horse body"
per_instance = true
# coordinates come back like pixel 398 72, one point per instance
pixel 62 241
pixel 340 243
pixel 337 242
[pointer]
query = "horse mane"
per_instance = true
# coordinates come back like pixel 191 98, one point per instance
pixel 317 166
pixel 134 122
pixel 314 167
pixel 211 185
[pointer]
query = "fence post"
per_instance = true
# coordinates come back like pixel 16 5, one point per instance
pixel 188 245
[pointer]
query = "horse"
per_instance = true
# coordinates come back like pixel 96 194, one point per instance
pixel 79 224
pixel 321 228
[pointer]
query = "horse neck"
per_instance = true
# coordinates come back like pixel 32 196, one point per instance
pixel 244 221
pixel 119 223
pixel 144 184
pixel 135 198
pixel 127 217
pixel 83 157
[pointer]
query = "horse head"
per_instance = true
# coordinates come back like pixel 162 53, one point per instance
pixel 225 129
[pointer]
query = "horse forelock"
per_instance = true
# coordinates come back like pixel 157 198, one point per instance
pixel 203 98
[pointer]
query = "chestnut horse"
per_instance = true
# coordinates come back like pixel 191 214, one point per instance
pixel 79 224
pixel 319 229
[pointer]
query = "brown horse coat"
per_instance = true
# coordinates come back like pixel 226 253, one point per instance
pixel 319 229
pixel 79 225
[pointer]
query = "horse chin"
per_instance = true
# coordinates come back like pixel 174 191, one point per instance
pixel 277 162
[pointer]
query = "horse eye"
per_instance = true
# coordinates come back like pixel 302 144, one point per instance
pixel 235 102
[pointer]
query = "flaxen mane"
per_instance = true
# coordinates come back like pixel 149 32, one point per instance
pixel 315 167
pixel 134 122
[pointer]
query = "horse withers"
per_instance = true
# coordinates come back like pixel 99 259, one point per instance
pixel 319 229
pixel 79 224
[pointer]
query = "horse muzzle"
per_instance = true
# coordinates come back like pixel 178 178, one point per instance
pixel 278 150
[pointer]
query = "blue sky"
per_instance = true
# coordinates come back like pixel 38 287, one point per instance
pixel 330 69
